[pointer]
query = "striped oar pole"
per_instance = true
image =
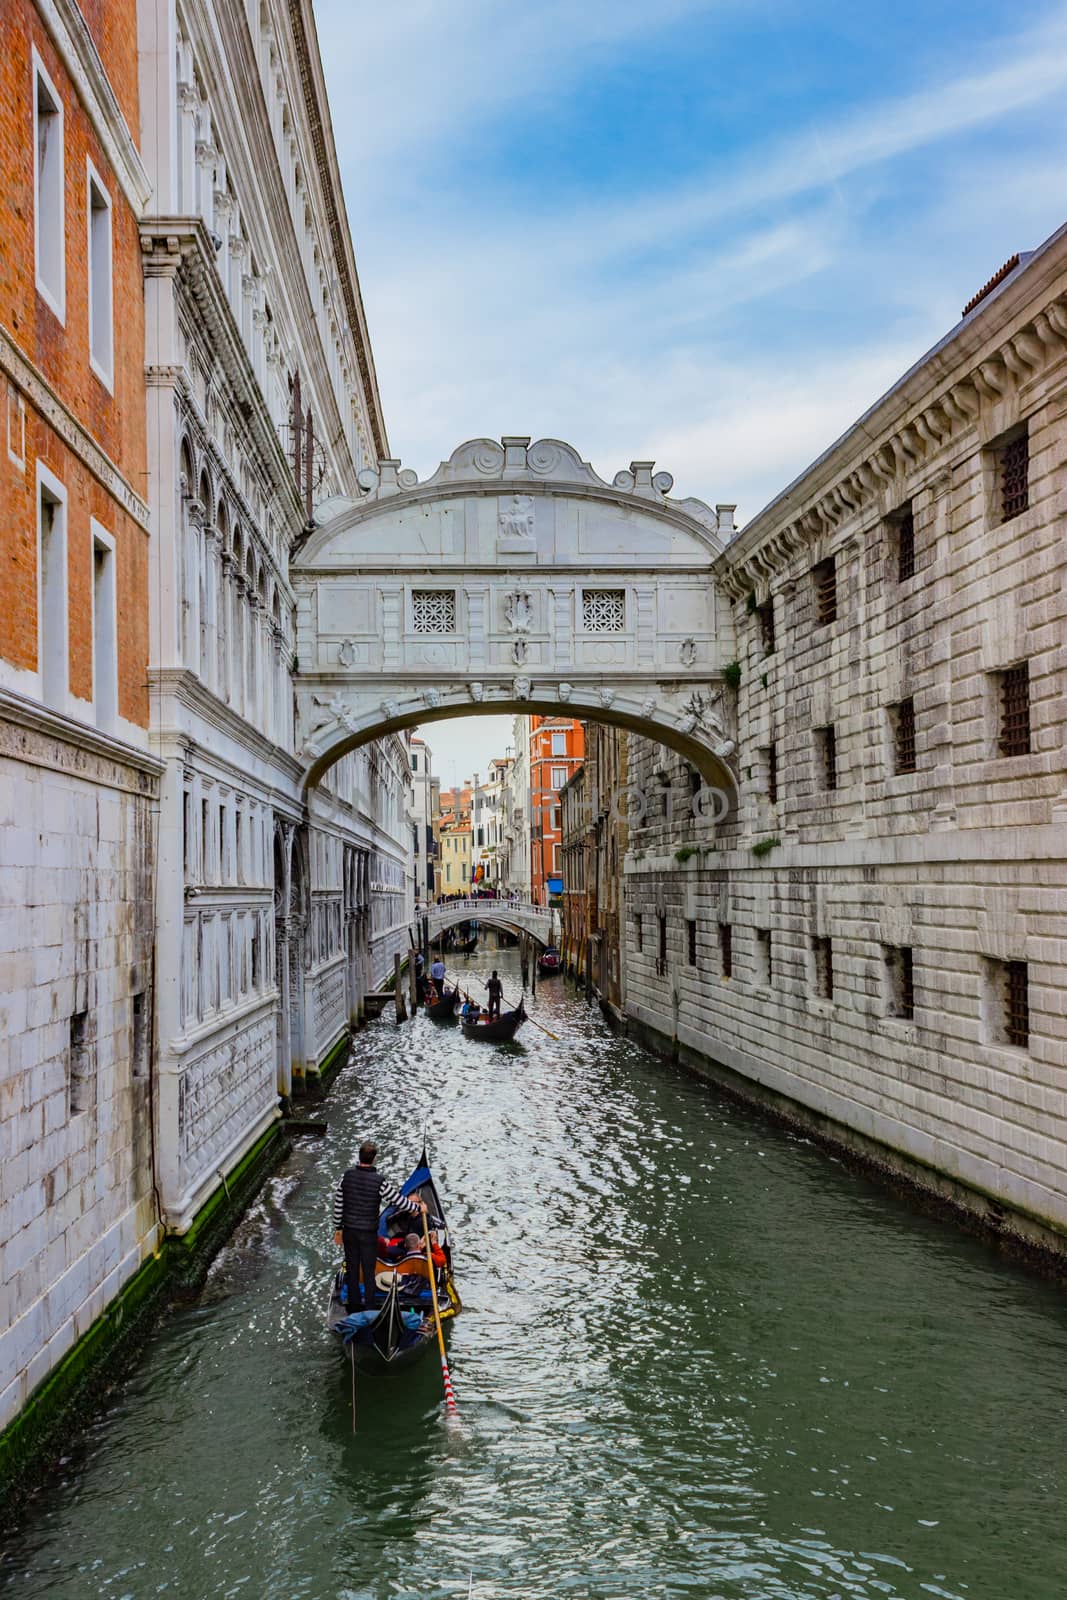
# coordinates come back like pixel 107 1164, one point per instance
pixel 450 1399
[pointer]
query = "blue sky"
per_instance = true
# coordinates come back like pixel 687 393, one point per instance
pixel 708 233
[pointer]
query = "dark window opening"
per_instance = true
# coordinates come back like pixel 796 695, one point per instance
pixel 1015 711
pixel 903 719
pixel 765 618
pixel 79 1063
pixel 726 949
pixel 826 746
pixel 763 950
pixel 638 932
pixel 1017 1004
pixel 900 972
pixel 824 578
pixel 691 937
pixel 770 758
pixel 1014 475
pixel 903 525
pixel 824 968
pixel 139 1041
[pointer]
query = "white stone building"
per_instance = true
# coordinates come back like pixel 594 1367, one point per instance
pixel 277 904
pixel 425 795
pixel 878 937
pixel 514 853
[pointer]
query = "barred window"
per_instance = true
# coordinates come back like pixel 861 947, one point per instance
pixel 638 932
pixel 770 768
pixel 661 960
pixel 824 581
pixel 900 977
pixel 1013 465
pixel 903 525
pixel 823 953
pixel 826 750
pixel 1017 1004
pixel 1015 711
pixel 691 941
pixel 603 610
pixel 902 718
pixel 765 618
pixel 764 965
pixel 726 949
pixel 433 610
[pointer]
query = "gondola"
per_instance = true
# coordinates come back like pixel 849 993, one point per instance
pixel 466 949
pixel 399 1327
pixel 500 1029
pixel 445 1007
pixel 548 962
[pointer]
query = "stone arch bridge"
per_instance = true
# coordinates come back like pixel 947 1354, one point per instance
pixel 515 916
pixel 514 579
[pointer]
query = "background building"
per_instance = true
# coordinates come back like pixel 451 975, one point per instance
pixel 514 853
pixel 79 786
pixel 556 749
pixel 425 808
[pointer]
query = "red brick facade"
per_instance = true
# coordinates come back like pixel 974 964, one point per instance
pixel 57 351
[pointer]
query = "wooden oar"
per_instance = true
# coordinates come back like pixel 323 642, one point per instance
pixel 540 1025
pixel 450 1399
pixel 352 1353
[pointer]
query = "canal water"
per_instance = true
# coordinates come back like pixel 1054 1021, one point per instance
pixel 698 1358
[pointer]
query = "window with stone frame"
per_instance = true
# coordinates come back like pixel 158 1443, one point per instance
pixel 691 941
pixel 638 932
pixel 1007 1002
pixel 901 526
pixel 661 959
pixel 1013 706
pixel 764 957
pixel 765 622
pixel 1013 473
pixel 726 949
pixel 823 962
pixel 604 610
pixel 433 611
pixel 79 1064
pixel 900 982
pixel 769 770
pixel 826 757
pixel 902 730
pixel 824 587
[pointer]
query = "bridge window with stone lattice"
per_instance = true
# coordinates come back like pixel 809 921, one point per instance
pixel 433 610
pixel 604 610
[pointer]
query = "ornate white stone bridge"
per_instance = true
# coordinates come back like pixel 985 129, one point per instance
pixel 514 580
pixel 518 916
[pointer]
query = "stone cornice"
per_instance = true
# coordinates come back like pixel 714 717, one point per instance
pixel 190 692
pixel 179 247
pixel 1010 342
pixel 31 381
pixel 316 104
pixel 70 34
pixel 33 734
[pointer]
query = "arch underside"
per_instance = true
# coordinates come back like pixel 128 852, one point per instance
pixel 695 746
pixel 510 925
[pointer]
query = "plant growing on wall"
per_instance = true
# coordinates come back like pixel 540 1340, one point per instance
pixel 685 852
pixel 765 847
pixel 732 675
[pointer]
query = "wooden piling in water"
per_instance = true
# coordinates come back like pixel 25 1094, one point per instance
pixel 398 990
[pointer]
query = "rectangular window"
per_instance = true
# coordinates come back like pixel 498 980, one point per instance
pixel 105 631
pixel 824 584
pixel 661 960
pixel 765 621
pixel 691 942
pixel 257 955
pixel 101 320
pixel 726 949
pixel 52 641
pixel 1014 739
pixel 139 1036
pixel 48 191
pixel 826 753
pixel 638 932
pixel 559 744
pixel 79 1064
pixel 187 835
pixel 902 530
pixel 902 727
pixel 433 611
pixel 764 970
pixel 823 954
pixel 1013 475
pixel 604 610
pixel 559 777
pixel 769 759
pixel 900 985
pixel 1007 1000
pixel 224 847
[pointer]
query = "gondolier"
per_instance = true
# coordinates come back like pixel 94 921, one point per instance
pixel 359 1200
pixel 437 971
pixel 496 991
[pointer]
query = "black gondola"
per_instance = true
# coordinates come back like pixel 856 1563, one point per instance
pixel 444 1008
pixel 500 1029
pixel 468 948
pixel 397 1331
pixel 548 962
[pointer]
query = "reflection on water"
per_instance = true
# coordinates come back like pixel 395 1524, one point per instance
pixel 697 1358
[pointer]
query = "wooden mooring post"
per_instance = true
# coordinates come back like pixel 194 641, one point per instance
pixel 398 990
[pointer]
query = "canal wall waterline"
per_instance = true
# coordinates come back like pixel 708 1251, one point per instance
pixel 1029 1239
pixel 55 1410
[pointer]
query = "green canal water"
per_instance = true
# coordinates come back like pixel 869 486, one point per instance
pixel 698 1358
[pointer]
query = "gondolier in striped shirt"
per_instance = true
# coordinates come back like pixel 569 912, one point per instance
pixel 359 1200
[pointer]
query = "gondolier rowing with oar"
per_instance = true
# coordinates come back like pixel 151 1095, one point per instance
pixel 359 1200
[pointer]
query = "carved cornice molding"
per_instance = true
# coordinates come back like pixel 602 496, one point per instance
pixel 31 381
pixel 70 35
pixel 979 382
pixel 33 734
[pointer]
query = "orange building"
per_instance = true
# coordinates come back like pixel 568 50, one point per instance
pixel 557 749
pixel 77 1217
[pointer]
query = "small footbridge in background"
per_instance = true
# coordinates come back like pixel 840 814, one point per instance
pixel 517 916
